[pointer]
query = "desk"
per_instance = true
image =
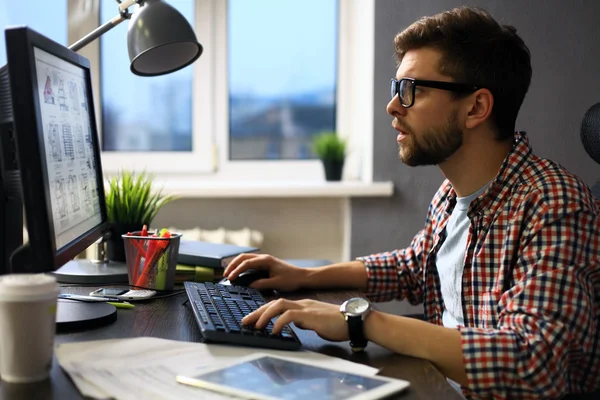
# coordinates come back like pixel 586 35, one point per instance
pixel 167 318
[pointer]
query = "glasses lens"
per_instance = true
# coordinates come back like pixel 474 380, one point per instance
pixel 394 88
pixel 405 92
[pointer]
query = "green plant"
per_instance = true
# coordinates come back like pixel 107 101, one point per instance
pixel 130 199
pixel 329 146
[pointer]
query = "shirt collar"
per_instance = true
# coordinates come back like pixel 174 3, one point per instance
pixel 508 175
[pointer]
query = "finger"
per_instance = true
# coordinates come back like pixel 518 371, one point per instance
pixel 256 262
pixel 251 318
pixel 233 264
pixel 300 325
pixel 297 316
pixel 277 307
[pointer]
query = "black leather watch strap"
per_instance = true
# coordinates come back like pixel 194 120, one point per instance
pixel 358 341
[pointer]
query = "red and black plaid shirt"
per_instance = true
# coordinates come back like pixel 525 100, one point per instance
pixel 530 285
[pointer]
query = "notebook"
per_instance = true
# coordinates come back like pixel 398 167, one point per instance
pixel 214 255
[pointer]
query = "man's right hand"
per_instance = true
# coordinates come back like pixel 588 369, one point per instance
pixel 282 276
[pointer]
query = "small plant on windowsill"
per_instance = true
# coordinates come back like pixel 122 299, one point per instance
pixel 131 202
pixel 331 150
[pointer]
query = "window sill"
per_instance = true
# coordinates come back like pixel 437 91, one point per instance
pixel 276 189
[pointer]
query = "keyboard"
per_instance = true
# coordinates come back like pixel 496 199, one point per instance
pixel 219 310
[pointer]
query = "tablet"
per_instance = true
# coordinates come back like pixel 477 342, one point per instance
pixel 267 377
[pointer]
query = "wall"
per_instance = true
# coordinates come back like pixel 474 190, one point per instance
pixel 562 37
pixel 292 228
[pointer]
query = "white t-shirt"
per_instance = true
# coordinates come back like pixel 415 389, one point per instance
pixel 450 259
pixel 450 262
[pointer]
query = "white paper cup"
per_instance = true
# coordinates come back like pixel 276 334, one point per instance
pixel 27 326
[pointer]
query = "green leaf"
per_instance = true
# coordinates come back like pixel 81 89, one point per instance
pixel 329 146
pixel 131 198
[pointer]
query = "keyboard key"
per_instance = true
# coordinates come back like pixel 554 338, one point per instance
pixel 246 330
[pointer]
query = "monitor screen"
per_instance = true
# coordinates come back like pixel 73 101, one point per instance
pixel 53 129
pixel 71 168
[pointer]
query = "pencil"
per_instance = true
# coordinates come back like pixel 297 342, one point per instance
pixel 123 304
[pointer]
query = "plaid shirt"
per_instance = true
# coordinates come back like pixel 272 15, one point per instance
pixel 531 280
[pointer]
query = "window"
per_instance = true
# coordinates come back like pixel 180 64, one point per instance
pixel 248 107
pixel 139 113
pixel 156 124
pixel 282 76
pixel 49 19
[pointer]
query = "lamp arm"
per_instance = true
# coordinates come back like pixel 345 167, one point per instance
pixel 101 30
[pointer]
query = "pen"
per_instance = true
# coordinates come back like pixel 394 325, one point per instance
pixel 88 298
pixel 123 304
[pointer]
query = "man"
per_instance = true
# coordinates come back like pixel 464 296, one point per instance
pixel 507 264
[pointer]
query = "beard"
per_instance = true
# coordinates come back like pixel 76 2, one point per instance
pixel 433 146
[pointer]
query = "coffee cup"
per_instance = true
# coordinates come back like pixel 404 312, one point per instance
pixel 27 326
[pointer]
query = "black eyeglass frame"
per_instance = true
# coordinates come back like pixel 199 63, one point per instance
pixel 450 86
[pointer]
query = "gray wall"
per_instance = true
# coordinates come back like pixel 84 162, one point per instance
pixel 292 228
pixel 563 38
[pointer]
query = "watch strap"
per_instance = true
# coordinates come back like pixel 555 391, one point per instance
pixel 358 341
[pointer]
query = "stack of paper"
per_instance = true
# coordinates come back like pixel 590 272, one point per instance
pixel 144 368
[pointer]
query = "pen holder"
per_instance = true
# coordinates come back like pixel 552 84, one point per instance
pixel 151 261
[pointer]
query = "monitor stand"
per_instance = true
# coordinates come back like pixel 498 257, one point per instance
pixel 76 315
pixel 92 272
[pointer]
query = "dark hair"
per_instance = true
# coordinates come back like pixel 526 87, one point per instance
pixel 476 49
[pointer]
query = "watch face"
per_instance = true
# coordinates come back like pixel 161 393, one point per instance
pixel 357 306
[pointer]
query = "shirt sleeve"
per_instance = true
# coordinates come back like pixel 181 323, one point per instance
pixel 546 322
pixel 399 274
pixel 396 274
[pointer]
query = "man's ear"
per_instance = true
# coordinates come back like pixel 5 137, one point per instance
pixel 479 108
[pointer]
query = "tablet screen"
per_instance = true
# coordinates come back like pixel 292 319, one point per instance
pixel 283 379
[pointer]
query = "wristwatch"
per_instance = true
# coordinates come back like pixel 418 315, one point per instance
pixel 355 310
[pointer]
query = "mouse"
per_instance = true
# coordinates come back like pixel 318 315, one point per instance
pixel 249 276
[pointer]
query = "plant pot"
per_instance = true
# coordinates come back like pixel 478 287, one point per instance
pixel 115 248
pixel 333 169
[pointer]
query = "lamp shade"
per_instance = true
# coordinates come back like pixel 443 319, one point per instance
pixel 160 40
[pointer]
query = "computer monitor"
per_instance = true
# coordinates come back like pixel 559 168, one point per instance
pixel 58 154
pixel 49 153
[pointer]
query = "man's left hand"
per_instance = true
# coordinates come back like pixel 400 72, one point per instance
pixel 323 318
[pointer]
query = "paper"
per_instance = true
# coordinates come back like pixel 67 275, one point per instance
pixel 146 367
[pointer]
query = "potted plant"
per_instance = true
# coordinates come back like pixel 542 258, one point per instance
pixel 331 150
pixel 131 202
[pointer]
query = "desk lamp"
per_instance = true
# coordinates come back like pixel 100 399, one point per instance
pixel 160 41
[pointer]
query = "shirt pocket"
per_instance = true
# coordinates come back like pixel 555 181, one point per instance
pixel 489 309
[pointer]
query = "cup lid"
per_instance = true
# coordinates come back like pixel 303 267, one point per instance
pixel 27 285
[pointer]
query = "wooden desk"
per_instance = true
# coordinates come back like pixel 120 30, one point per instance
pixel 167 318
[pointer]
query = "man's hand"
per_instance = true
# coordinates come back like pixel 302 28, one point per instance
pixel 323 318
pixel 282 276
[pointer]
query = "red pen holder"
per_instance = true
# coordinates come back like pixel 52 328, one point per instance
pixel 151 261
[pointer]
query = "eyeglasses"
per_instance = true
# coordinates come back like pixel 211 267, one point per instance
pixel 405 88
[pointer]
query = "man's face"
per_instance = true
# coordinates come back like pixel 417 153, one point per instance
pixel 428 132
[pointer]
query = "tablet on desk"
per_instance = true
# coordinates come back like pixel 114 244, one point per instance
pixel 266 377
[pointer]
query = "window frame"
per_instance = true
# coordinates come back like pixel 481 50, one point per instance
pixel 209 159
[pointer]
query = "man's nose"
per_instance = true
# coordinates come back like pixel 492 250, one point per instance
pixel 395 108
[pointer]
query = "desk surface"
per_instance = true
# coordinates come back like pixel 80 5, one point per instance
pixel 167 318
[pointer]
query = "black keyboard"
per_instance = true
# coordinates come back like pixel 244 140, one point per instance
pixel 219 310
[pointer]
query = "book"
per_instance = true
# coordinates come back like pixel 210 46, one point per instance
pixel 196 273
pixel 213 255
